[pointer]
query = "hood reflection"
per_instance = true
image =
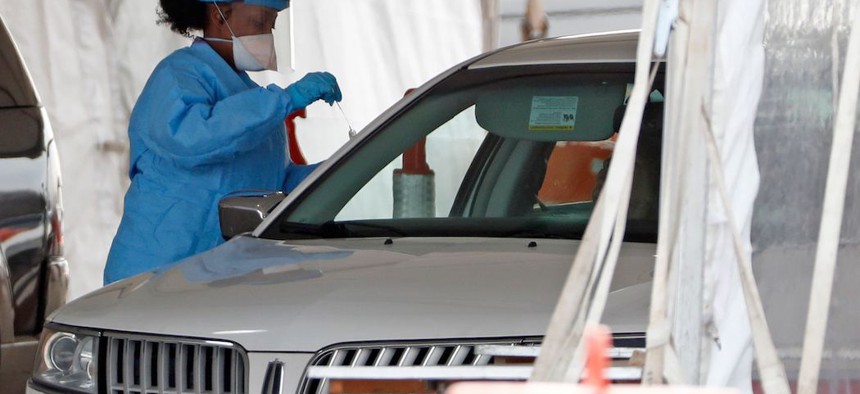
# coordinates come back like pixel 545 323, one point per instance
pixel 254 263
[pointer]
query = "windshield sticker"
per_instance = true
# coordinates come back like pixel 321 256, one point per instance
pixel 553 113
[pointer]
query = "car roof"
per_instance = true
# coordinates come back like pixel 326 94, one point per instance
pixel 611 47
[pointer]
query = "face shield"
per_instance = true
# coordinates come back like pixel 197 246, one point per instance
pixel 284 41
pixel 261 33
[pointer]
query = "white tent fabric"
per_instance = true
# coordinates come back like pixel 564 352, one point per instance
pixel 726 108
pixel 737 87
pixel 568 17
pixel 91 58
pixel 66 45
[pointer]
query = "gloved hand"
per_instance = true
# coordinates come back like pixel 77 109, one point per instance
pixel 313 87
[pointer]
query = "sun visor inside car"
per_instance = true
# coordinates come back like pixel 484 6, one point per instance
pixel 580 109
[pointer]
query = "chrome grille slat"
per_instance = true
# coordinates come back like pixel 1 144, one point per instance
pixel 153 365
pixel 433 356
pixel 385 357
pixel 215 373
pixel 409 356
pixel 322 388
pixel 162 348
pixel 126 367
pixel 482 359
pixel 112 360
pixel 234 364
pixel 197 369
pixel 179 369
pixel 337 358
pixel 459 355
pixel 360 357
pixel 144 367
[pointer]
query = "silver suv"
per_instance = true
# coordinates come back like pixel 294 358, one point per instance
pixel 431 248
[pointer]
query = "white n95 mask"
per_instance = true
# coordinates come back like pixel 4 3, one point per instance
pixel 251 53
pixel 255 53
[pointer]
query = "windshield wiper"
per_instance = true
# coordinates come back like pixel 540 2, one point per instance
pixel 332 229
pixel 539 234
pixel 349 228
pixel 302 230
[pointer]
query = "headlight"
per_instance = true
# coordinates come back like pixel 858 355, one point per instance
pixel 67 359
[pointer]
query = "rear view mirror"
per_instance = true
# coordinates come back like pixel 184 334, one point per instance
pixel 241 212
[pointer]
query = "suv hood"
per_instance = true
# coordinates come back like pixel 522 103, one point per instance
pixel 302 296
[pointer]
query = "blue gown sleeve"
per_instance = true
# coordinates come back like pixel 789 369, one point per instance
pixel 296 173
pixel 191 129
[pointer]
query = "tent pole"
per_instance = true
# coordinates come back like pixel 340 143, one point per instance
pixel 690 256
pixel 677 296
pixel 490 19
pixel 831 218
pixel 535 22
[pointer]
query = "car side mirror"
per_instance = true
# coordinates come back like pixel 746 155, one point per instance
pixel 241 212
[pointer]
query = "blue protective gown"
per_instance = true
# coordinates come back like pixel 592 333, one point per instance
pixel 199 131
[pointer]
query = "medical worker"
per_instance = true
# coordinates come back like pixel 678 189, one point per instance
pixel 202 129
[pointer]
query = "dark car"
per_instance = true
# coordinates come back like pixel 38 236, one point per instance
pixel 33 271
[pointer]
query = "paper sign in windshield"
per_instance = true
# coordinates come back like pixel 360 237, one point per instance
pixel 553 113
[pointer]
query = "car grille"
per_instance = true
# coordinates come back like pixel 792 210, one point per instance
pixel 141 365
pixel 403 355
pixel 490 353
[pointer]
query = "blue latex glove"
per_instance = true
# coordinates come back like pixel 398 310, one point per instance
pixel 313 87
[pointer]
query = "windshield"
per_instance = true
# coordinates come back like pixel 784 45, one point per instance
pixel 518 152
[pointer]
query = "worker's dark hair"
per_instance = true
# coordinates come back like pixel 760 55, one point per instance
pixel 183 16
